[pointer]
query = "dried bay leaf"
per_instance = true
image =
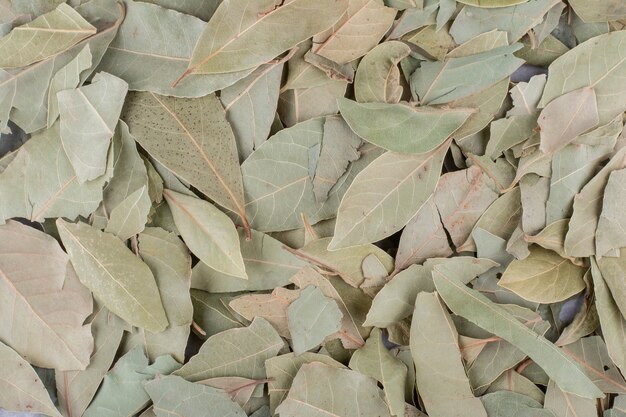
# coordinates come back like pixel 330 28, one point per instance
pixel 268 265
pixel 22 390
pixel 508 132
pixel 48 35
pixel 29 108
pixel 173 132
pixel 88 117
pixel 339 147
pixel 566 117
pixel 516 20
pixel 580 238
pixel 441 82
pixel 123 283
pixel 312 317
pixel 211 314
pixel 543 277
pixel 235 352
pixel 579 68
pixel 56 318
pixel 240 390
pixel 76 389
pixel 599 11
pixel 281 371
pixel 611 221
pixel 162 40
pixel 352 302
pixel 611 318
pixel 392 177
pixel 272 307
pixel 66 78
pixel 36 194
pixel 202 9
pixel 423 237
pixel 257 95
pixel 564 404
pixel 442 393
pixel 130 216
pixel 251 38
pixel 461 197
pixel 402 128
pixel 170 262
pixel 480 310
pixel 515 405
pixel 359 30
pixel 492 3
pixel 298 105
pixel 378 77
pixel 172 395
pixel 122 393
pixel 336 391
pixel 376 361
pixel 208 233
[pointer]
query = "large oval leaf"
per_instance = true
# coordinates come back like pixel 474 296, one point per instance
pixel 114 274
pixel 385 196
pixel 401 128
pixel 243 35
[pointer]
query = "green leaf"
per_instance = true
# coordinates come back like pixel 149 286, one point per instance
pixel 202 9
pixel 492 3
pixel 256 95
pixel 335 391
pixel 512 404
pixel 22 390
pixel 117 277
pixel 211 313
pixel 208 233
pixel 346 40
pixel 312 317
pixel 345 262
pixel 371 209
pixel 377 76
pixel 543 277
pixel 597 63
pixel 423 237
pixel 192 138
pixel 611 318
pixel 506 133
pixel 169 260
pixel 163 40
pixel 599 11
pixel 268 265
pixel 400 127
pixel 486 314
pixel 281 371
pixel 441 82
pixel 88 117
pixel 376 361
pixel 434 346
pixel 612 221
pixel 235 352
pixel 516 20
pixel 130 216
pixel 564 404
pixel 251 38
pixel 352 302
pixel 76 389
pixel 67 77
pixel 566 117
pixel 36 194
pixel 122 393
pixel 31 264
pixel 173 396
pixel 581 236
pixel 48 35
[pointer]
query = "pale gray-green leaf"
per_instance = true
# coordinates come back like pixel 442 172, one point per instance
pixel 114 274
pixel 378 77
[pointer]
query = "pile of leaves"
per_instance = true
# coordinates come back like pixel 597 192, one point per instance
pixel 306 208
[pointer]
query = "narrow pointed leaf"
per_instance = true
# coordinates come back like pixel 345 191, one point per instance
pixel 251 38
pixel 400 127
pixel 380 83
pixel 45 36
pixel 385 196
pixel 486 314
pixel 115 275
pixel 208 233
